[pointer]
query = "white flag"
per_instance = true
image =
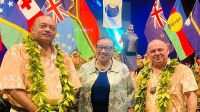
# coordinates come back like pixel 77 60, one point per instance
pixel 112 13
pixel 29 8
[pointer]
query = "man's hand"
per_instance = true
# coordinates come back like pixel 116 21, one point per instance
pixel 21 97
pixel 191 101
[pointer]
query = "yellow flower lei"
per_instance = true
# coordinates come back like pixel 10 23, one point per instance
pixel 163 98
pixel 36 75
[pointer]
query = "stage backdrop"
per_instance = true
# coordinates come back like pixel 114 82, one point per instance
pixel 137 13
pixel 88 25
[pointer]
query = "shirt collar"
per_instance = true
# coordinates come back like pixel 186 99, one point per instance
pixel 53 49
pixel 114 68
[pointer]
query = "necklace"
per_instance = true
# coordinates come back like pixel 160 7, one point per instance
pixel 154 82
pixel 108 67
pixel 36 76
pixel 162 98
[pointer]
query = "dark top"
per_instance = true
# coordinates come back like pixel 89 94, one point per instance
pixel 100 93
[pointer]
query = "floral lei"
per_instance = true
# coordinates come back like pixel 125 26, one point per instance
pixel 36 75
pixel 163 98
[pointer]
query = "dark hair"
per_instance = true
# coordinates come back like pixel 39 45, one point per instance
pixel 106 38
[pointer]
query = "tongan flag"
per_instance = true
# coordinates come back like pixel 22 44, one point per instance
pixel 112 14
pixel 30 9
pixel 192 28
pixel 155 25
pixel 175 32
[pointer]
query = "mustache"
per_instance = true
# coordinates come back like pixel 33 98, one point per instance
pixel 49 34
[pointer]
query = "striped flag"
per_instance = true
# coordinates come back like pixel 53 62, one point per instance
pixel 175 32
pixel 89 22
pixel 192 28
pixel 155 25
pixel 82 42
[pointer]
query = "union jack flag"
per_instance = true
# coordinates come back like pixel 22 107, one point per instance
pixel 55 9
pixel 155 25
pixel 157 15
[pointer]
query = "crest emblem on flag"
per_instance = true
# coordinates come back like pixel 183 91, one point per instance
pixel 112 13
pixel 112 10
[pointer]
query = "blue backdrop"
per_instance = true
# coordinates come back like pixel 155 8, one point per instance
pixel 137 13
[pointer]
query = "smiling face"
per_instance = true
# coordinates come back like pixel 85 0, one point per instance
pixel 104 50
pixel 44 30
pixel 158 52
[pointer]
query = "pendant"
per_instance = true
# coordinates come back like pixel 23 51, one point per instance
pixel 153 90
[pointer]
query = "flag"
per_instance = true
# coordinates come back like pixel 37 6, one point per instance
pixel 192 28
pixel 82 42
pixel 55 9
pixel 67 4
pixel 12 25
pixel 2 49
pixel 30 10
pixel 112 14
pixel 155 25
pixel 70 6
pixel 174 30
pixel 89 22
pixel 65 35
pixel 11 33
pixel 1 44
pixel 11 13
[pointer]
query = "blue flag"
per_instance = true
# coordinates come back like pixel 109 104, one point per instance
pixel 65 35
pixel 192 28
pixel 155 25
pixel 10 12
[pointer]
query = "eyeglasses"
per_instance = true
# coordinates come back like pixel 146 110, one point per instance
pixel 106 48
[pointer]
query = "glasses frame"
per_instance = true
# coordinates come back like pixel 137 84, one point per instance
pixel 106 48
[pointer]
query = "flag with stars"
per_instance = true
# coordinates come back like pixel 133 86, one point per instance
pixel 10 12
pixel 192 24
pixel 65 38
pixel 12 29
pixel 17 16
pixel 155 25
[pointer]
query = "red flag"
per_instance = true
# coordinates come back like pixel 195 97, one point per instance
pixel 89 22
pixel 1 46
pixel 175 32
pixel 30 9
